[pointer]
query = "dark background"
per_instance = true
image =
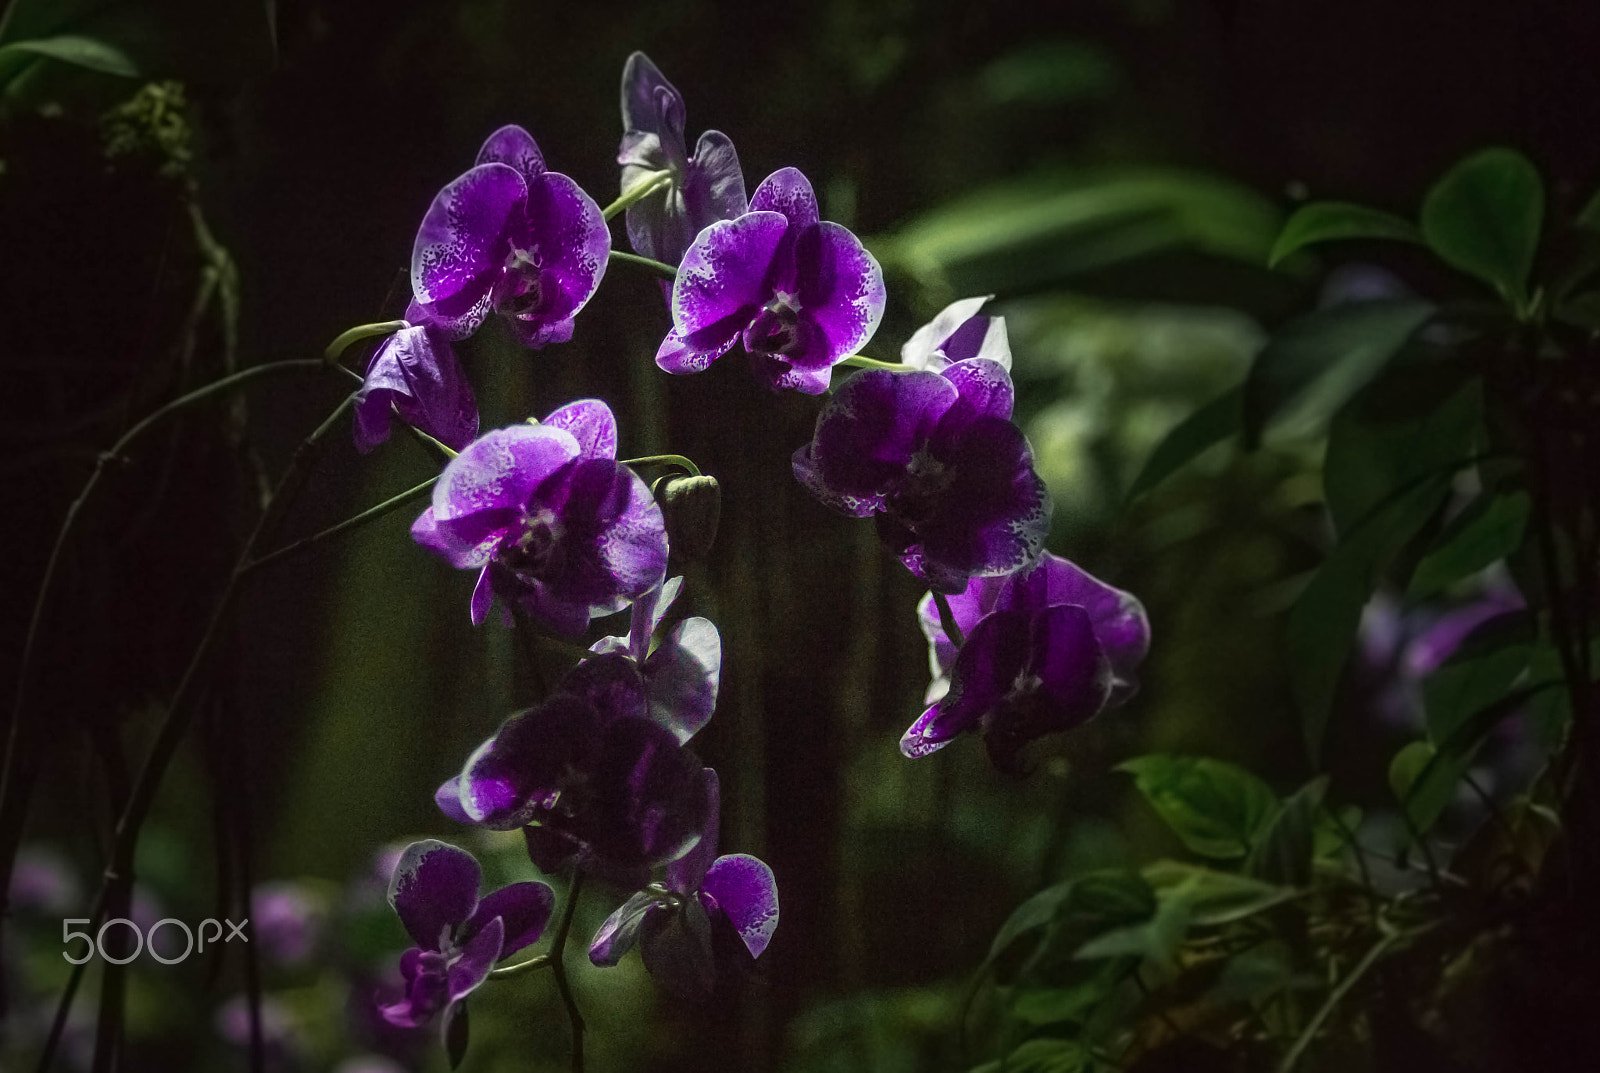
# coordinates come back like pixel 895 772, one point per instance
pixel 354 682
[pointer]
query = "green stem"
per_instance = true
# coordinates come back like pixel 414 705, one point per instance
pixel 640 190
pixel 388 506
pixel 119 869
pixel 538 961
pixel 947 620
pixel 558 947
pixel 680 461
pixel 665 271
pixel 861 361
pixel 8 770
pixel 1335 997
pixel 351 336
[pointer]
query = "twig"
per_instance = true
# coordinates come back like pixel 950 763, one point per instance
pixel 665 271
pixel 558 948
pixel 388 506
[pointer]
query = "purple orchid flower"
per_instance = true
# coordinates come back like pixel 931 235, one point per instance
pixel 289 920
pixel 553 523
pixel 510 237
pixel 801 292
pixel 459 938
pixel 937 459
pixel 415 373
pixel 701 189
pixel 958 333
pixel 672 922
pixel 1046 649
pixel 682 673
pixel 601 782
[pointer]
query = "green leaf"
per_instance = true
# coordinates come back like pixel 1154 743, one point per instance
pixel 1406 765
pixel 1208 426
pixel 1480 672
pixel 1053 227
pixel 1029 917
pixel 1433 784
pixel 1213 897
pixel 1483 217
pixel 1214 807
pixel 1322 624
pixel 1069 1001
pixel 76 49
pixel 1489 529
pixel 1042 1056
pixel 1417 420
pixel 1326 221
pixel 1330 837
pixel 1153 939
pixel 1283 854
pixel 1313 364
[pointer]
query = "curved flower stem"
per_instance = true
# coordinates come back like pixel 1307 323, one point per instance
pixel 351 336
pixel 119 869
pixel 538 961
pixel 388 506
pixel 665 271
pixel 558 948
pixel 12 796
pixel 947 620
pixel 861 361
pixel 658 180
pixel 680 461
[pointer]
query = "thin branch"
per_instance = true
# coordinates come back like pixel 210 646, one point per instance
pixel 558 948
pixel 947 620
pixel 388 506
pixel 665 271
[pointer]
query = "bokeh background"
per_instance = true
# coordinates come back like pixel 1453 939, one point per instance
pixel 1113 170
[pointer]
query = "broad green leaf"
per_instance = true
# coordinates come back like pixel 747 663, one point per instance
pixel 1254 974
pixel 1153 939
pixel 1490 528
pixel 1208 426
pixel 1283 853
pixel 1322 624
pixel 1417 420
pixel 1481 671
pixel 1099 902
pixel 80 51
pixel 1216 808
pixel 1213 897
pixel 1031 916
pixel 1332 835
pixel 1406 765
pixel 1483 217
pixel 1045 229
pixel 1313 364
pixel 1042 1056
pixel 1433 786
pixel 1326 221
pixel 1068 1001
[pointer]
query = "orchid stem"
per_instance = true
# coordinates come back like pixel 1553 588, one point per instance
pixel 388 506
pixel 861 361
pixel 947 620
pixel 351 336
pixel 9 771
pixel 119 869
pixel 538 961
pixel 558 949
pixel 665 271
pixel 637 192
pixel 665 460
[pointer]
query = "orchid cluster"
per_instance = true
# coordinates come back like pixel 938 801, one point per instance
pixel 599 775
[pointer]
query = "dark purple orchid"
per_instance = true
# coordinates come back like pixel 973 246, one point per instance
pixel 680 674
pixel 459 938
pixel 937 459
pixel 554 524
pixel 699 189
pixel 672 921
pixel 601 781
pixel 801 292
pixel 415 373
pixel 512 238
pixel 958 333
pixel 1046 649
